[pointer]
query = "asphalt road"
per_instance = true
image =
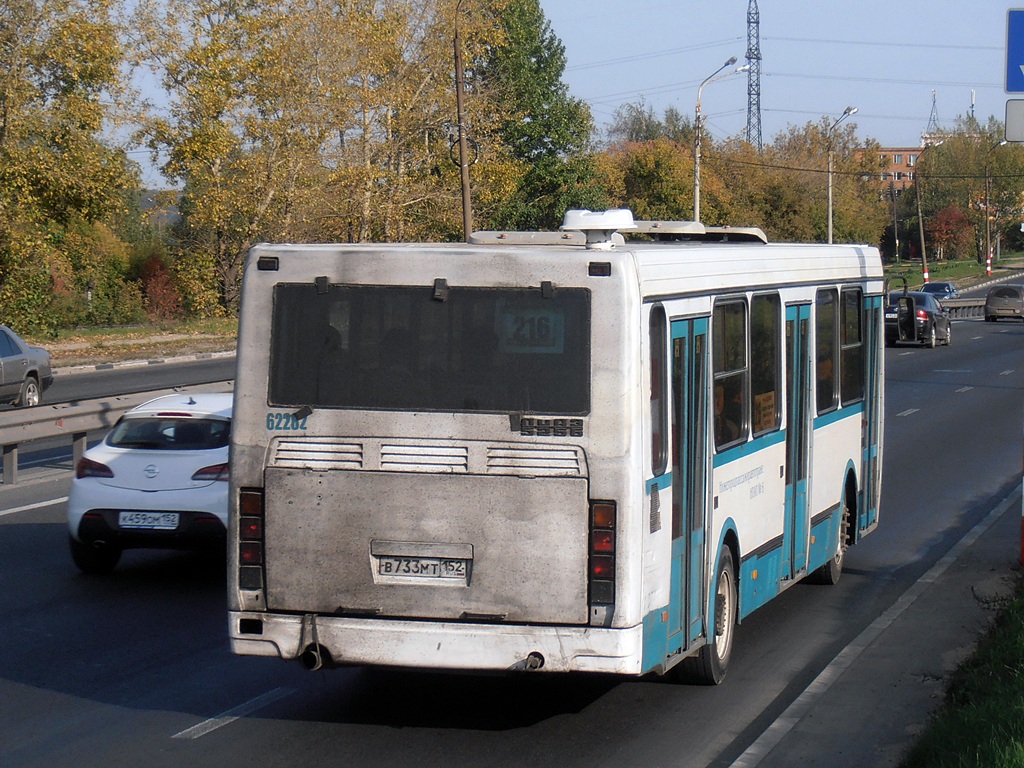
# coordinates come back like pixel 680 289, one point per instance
pixel 134 669
pixel 70 385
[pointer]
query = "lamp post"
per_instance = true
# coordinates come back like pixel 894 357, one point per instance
pixel 828 140
pixel 697 129
pixel 920 217
pixel 467 203
pixel 988 217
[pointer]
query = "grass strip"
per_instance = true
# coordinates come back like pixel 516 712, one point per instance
pixel 981 722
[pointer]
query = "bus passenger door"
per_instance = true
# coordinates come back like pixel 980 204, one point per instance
pixel 872 406
pixel 794 548
pixel 689 480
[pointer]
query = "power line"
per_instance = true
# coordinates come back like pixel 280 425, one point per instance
pixel 652 55
pixel 880 44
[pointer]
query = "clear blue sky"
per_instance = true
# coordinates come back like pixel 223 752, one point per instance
pixel 884 57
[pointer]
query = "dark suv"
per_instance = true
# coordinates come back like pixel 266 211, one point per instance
pixel 917 317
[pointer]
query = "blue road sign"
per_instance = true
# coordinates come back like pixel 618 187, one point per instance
pixel 1015 50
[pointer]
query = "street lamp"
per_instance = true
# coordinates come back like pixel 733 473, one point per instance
pixel 988 218
pixel 828 141
pixel 920 217
pixel 697 126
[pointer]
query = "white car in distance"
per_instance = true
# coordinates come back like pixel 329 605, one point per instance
pixel 158 479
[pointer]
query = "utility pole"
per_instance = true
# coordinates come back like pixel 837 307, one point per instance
pixel 918 178
pixel 467 203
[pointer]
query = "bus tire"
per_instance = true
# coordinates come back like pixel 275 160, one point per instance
pixel 830 572
pixel 709 665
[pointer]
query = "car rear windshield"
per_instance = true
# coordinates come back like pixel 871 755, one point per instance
pixel 408 348
pixel 1005 293
pixel 170 434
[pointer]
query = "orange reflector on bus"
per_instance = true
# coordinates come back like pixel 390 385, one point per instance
pixel 602 514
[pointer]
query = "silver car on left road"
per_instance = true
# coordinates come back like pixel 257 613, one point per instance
pixel 24 370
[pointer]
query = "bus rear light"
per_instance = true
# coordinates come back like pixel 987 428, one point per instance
pixel 602 552
pixel 602 567
pixel 250 528
pixel 250 553
pixel 603 541
pixel 250 502
pixel 602 514
pixel 250 541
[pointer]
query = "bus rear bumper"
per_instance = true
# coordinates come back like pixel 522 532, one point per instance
pixel 439 645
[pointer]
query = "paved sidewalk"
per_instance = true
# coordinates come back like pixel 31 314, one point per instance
pixel 868 707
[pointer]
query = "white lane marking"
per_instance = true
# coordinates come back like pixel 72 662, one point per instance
pixel 226 718
pixel 1007 373
pixel 37 505
pixel 803 703
pixel 908 412
pixel 964 389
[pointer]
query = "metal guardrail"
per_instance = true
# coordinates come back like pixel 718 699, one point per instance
pixel 72 421
pixel 960 309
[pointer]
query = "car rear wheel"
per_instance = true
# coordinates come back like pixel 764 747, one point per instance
pixel 931 338
pixel 949 334
pixel 30 395
pixel 94 559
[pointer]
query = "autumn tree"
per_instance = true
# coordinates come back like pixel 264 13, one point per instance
pixel 951 234
pixel 59 59
pixel 654 179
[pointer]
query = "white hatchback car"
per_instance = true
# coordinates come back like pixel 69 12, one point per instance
pixel 158 480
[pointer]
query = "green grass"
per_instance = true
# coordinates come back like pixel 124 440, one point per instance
pixel 981 723
pixel 210 326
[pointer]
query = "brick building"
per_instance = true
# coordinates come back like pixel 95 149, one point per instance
pixel 898 168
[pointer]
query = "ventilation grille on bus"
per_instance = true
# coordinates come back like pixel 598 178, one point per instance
pixel 537 461
pixel 435 457
pixel 321 454
pixel 424 458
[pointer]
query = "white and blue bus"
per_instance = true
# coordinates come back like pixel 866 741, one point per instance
pixel 547 451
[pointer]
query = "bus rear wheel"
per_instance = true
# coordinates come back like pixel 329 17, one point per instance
pixel 710 664
pixel 830 572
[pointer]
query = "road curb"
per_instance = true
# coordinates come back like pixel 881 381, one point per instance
pixel 140 363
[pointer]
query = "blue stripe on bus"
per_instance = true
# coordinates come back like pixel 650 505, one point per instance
pixel 661 482
pixel 838 415
pixel 749 448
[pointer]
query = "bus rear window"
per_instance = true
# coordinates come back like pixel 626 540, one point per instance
pixel 399 348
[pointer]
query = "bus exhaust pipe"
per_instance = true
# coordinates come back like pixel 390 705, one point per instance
pixel 534 661
pixel 316 657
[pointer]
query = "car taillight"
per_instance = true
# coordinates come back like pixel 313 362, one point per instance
pixel 212 472
pixel 89 468
pixel 922 315
pixel 250 538
pixel 602 552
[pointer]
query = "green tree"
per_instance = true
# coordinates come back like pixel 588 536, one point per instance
pixel 545 130
pixel 637 122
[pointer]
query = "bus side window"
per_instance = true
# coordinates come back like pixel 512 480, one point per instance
pixel 731 372
pixel 851 362
pixel 825 321
pixel 765 369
